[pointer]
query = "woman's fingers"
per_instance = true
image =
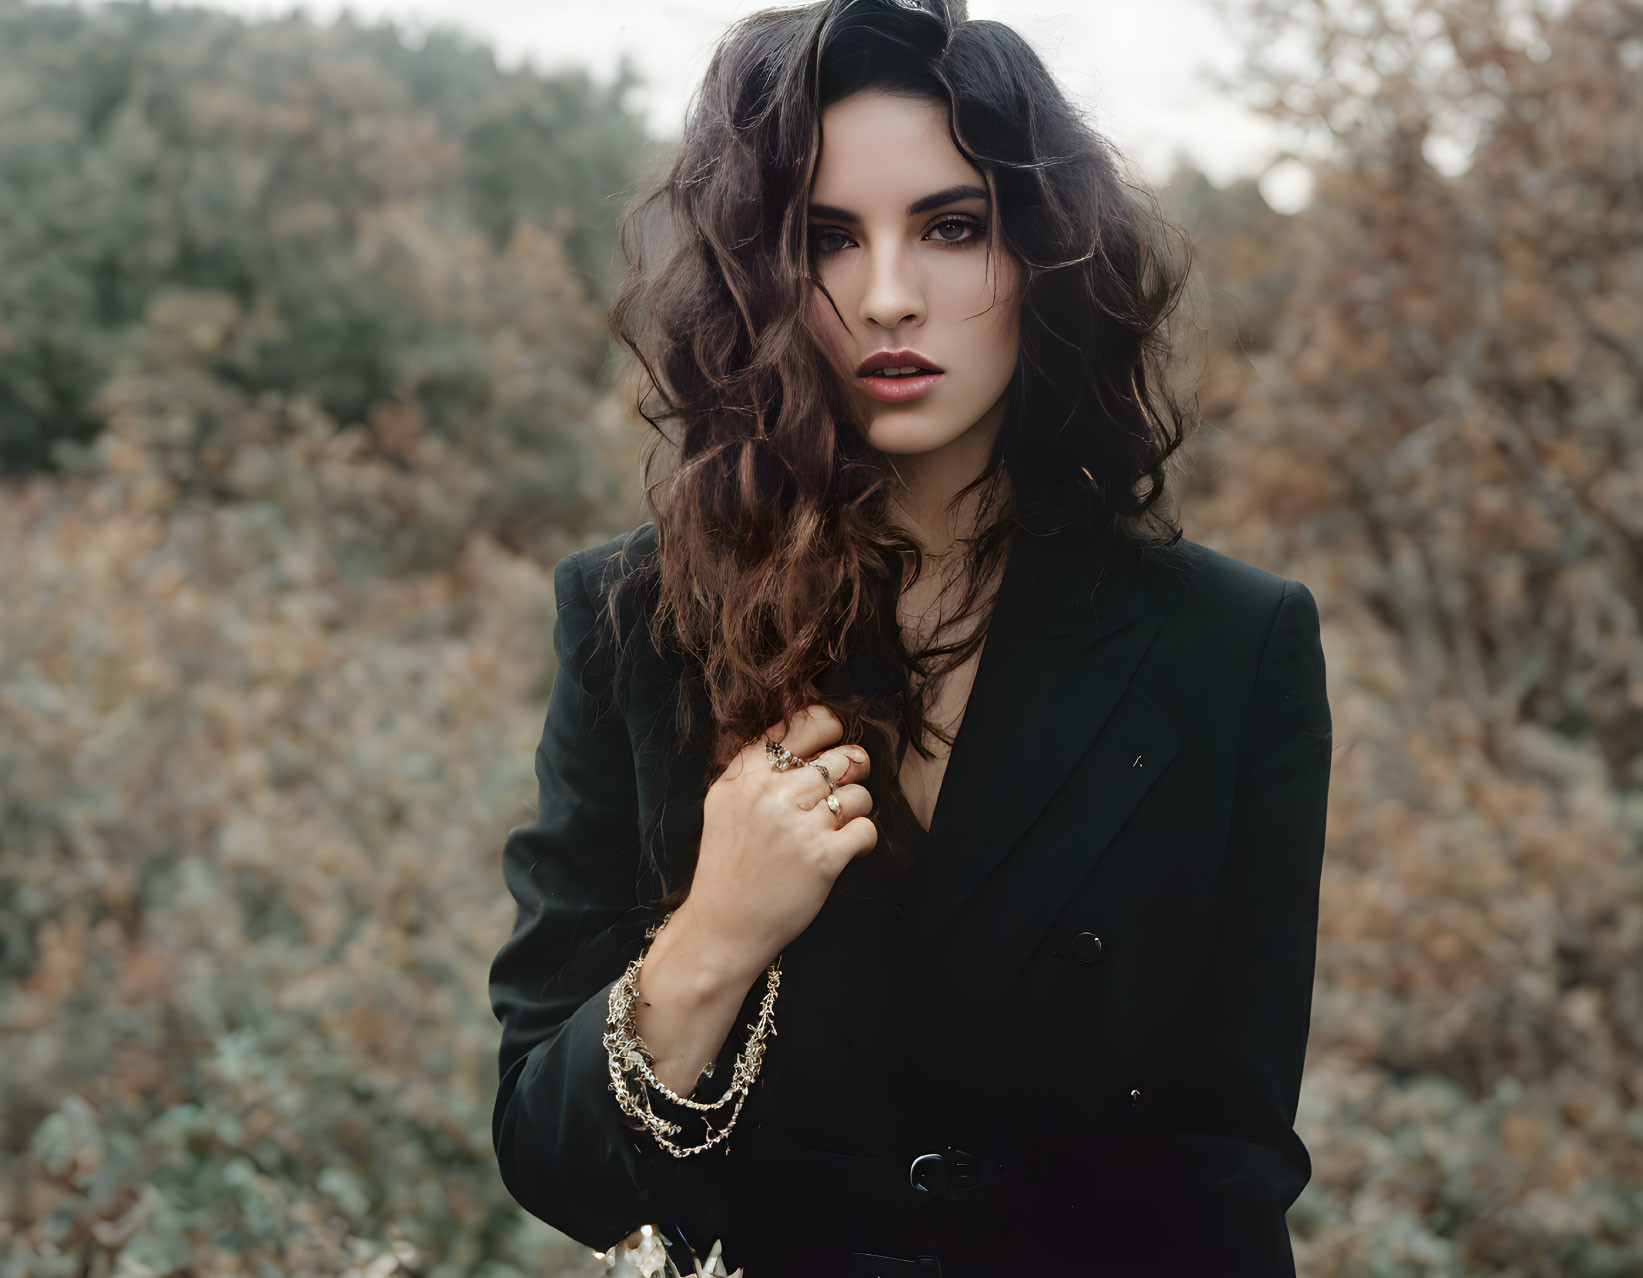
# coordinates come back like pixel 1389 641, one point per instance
pixel 843 763
pixel 812 728
pixel 812 731
pixel 854 801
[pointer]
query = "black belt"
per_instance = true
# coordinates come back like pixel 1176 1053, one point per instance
pixel 947 1173
pixel 941 1174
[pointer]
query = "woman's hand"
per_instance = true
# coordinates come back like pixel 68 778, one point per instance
pixel 771 849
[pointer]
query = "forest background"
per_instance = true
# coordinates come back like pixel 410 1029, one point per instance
pixel 304 388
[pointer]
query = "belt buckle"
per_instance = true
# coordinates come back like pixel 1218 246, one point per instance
pixel 953 1172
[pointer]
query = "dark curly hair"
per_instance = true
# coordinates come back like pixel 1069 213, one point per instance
pixel 777 550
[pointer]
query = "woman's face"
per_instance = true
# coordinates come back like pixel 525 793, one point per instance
pixel 899 223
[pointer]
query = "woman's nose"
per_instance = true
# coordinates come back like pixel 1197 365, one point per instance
pixel 893 296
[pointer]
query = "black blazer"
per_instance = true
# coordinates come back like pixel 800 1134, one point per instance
pixel 1096 1011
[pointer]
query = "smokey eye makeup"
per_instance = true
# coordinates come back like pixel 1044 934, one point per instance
pixel 975 226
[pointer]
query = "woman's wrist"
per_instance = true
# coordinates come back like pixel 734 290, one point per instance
pixel 686 1019
pixel 688 996
pixel 717 967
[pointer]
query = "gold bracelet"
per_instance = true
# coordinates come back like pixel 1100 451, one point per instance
pixel 627 1053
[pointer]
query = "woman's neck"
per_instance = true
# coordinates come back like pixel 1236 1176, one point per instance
pixel 940 527
pixel 931 481
pixel 941 533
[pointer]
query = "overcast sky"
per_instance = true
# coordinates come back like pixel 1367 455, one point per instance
pixel 1136 65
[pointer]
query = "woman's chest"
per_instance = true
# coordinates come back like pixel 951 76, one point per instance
pixel 947 697
pixel 921 778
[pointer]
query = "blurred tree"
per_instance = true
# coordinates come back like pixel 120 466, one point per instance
pixel 1463 352
pixel 1445 440
pixel 359 201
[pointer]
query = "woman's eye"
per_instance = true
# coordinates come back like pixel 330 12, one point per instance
pixel 947 231
pixel 963 225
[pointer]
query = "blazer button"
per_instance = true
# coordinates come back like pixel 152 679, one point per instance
pixel 1085 947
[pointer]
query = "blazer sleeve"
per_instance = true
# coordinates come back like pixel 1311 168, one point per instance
pixel 564 1147
pixel 1244 1043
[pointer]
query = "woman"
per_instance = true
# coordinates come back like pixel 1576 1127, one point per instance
pixel 1040 986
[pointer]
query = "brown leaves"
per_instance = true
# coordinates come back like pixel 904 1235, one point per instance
pixel 1442 441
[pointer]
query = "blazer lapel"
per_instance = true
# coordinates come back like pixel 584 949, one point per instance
pixel 1068 629
pixel 1060 648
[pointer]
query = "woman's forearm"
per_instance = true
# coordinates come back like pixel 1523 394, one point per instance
pixel 690 990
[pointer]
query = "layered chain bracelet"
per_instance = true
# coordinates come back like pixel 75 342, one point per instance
pixel 627 1054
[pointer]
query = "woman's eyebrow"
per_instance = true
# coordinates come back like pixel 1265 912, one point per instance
pixel 952 195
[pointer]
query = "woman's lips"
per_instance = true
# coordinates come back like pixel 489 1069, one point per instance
pixel 898 390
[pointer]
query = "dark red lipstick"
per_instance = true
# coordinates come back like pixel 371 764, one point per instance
pixel 914 375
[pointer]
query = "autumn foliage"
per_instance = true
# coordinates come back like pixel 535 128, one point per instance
pixel 1445 441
